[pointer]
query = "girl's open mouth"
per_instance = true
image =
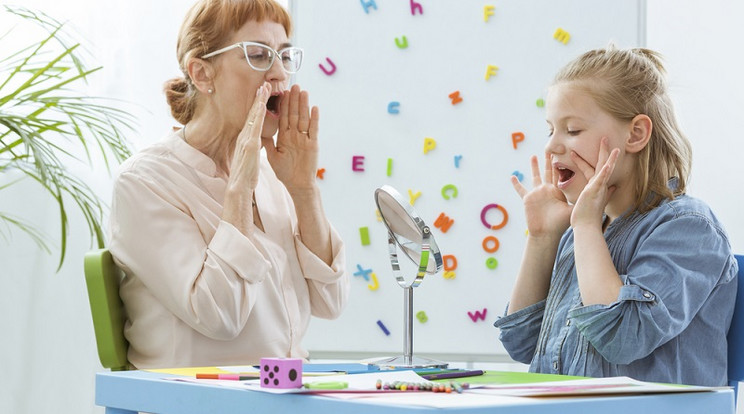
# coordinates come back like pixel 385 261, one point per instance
pixel 564 176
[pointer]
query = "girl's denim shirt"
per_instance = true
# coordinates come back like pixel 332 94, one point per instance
pixel 670 320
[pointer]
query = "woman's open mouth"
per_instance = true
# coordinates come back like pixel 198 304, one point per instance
pixel 272 105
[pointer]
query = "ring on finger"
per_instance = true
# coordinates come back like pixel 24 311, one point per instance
pixel 303 132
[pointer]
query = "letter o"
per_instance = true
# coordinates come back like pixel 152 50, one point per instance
pixel 490 244
pixel 495 226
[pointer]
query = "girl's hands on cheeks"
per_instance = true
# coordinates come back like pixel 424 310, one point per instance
pixel 245 161
pixel 592 201
pixel 546 209
pixel 295 156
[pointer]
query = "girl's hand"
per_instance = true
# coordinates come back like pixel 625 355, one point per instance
pixel 245 161
pixel 546 209
pixel 593 199
pixel 295 156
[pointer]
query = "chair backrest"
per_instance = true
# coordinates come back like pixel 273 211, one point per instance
pixel 736 332
pixel 102 277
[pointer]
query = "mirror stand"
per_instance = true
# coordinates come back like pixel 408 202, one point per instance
pixel 407 360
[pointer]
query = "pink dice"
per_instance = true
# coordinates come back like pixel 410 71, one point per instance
pixel 281 372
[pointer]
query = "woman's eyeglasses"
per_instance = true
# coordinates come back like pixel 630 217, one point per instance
pixel 260 57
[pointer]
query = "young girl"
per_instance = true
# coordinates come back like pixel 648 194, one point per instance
pixel 623 274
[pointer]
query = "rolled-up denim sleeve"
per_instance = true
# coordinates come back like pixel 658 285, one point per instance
pixel 519 331
pixel 668 279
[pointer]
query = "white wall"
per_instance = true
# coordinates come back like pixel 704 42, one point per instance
pixel 47 352
pixel 702 43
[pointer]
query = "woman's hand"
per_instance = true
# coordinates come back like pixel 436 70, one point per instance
pixel 295 156
pixel 238 205
pixel 590 205
pixel 245 160
pixel 546 209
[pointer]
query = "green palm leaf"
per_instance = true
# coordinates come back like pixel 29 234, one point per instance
pixel 45 125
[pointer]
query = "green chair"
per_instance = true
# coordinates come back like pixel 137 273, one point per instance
pixel 102 278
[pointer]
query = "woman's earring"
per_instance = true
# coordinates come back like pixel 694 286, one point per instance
pixel 210 91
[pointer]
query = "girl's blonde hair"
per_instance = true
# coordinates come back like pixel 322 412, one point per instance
pixel 206 27
pixel 630 82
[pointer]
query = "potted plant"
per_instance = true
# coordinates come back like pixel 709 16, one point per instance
pixel 46 124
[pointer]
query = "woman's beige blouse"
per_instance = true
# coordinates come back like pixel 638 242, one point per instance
pixel 197 291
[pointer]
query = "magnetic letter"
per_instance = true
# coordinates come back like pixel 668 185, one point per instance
pixel 495 226
pixel 390 167
pixel 393 107
pixel 330 71
pixel 517 137
pixel 478 315
pixel 491 71
pixel 490 244
pixel 416 7
pixel 429 144
pixel 375 284
pixel 320 173
pixel 457 160
pixel 561 35
pixel 421 316
pixel 362 272
pixel 413 197
pixel 357 163
pixel 367 4
pixel 443 222
pixel 364 234
pixel 402 44
pixel 450 262
pixel 455 96
pixel 449 188
pixel 487 12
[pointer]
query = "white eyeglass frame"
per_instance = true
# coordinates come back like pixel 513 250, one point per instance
pixel 274 54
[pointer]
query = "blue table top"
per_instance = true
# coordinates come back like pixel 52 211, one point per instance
pixel 131 391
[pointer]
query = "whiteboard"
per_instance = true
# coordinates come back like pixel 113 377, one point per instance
pixel 448 48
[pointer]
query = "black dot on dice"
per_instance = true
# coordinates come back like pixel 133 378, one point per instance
pixel 292 374
pixel 271 375
pixel 276 369
pixel 266 381
pixel 276 382
pixel 266 368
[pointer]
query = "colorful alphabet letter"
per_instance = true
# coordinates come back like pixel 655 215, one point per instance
pixel 517 137
pixel 393 107
pixel 487 12
pixel 429 144
pixel 491 71
pixel 357 163
pixel 330 71
pixel 443 222
pixel 416 7
pixel 495 226
pixel 561 36
pixel 455 96
pixel 367 4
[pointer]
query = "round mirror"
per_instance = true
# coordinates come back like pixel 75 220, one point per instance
pixel 408 230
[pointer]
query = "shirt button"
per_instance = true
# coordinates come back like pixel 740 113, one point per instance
pixel 647 295
pixel 568 322
pixel 555 365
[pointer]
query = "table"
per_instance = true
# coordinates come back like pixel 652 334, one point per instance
pixel 126 392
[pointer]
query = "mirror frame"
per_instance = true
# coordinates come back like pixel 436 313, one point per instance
pixel 429 247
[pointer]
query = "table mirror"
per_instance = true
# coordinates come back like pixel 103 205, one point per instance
pixel 407 232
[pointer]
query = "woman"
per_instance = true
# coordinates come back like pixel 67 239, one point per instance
pixel 226 252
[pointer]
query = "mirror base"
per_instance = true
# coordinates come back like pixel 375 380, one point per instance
pixel 409 362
